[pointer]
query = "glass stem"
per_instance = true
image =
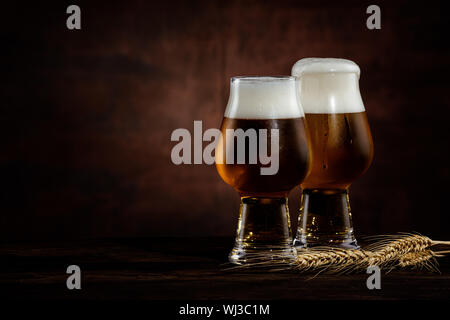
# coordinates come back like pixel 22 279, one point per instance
pixel 263 230
pixel 325 219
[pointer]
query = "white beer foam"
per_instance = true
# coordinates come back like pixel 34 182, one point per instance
pixel 263 98
pixel 324 65
pixel 328 85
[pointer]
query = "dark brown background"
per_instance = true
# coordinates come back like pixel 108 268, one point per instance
pixel 86 116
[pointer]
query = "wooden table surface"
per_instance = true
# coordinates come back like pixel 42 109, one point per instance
pixel 185 269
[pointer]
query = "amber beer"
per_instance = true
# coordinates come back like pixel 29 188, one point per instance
pixel 264 103
pixel 341 149
pixel 341 144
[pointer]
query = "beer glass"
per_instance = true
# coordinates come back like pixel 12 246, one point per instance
pixel 263 117
pixel 341 148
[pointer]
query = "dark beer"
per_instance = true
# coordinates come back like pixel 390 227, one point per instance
pixel 293 158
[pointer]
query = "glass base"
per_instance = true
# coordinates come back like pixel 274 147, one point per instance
pixel 242 255
pixel 350 243
pixel 264 231
pixel 325 220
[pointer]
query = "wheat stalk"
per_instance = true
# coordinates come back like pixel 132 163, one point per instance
pixel 383 253
pixel 328 258
pixel 389 251
pixel 392 248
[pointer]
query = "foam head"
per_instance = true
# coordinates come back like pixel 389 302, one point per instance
pixel 328 85
pixel 263 98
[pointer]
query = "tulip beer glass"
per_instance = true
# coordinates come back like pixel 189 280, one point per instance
pixel 263 116
pixel 341 149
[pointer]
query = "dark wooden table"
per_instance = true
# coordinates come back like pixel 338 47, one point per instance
pixel 185 269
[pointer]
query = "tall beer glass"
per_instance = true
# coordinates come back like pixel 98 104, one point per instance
pixel 341 148
pixel 263 117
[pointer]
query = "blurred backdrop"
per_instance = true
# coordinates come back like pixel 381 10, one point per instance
pixel 86 116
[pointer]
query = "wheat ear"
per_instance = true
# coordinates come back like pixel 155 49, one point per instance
pixel 393 247
pixel 333 259
pixel 418 260
pixel 389 251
